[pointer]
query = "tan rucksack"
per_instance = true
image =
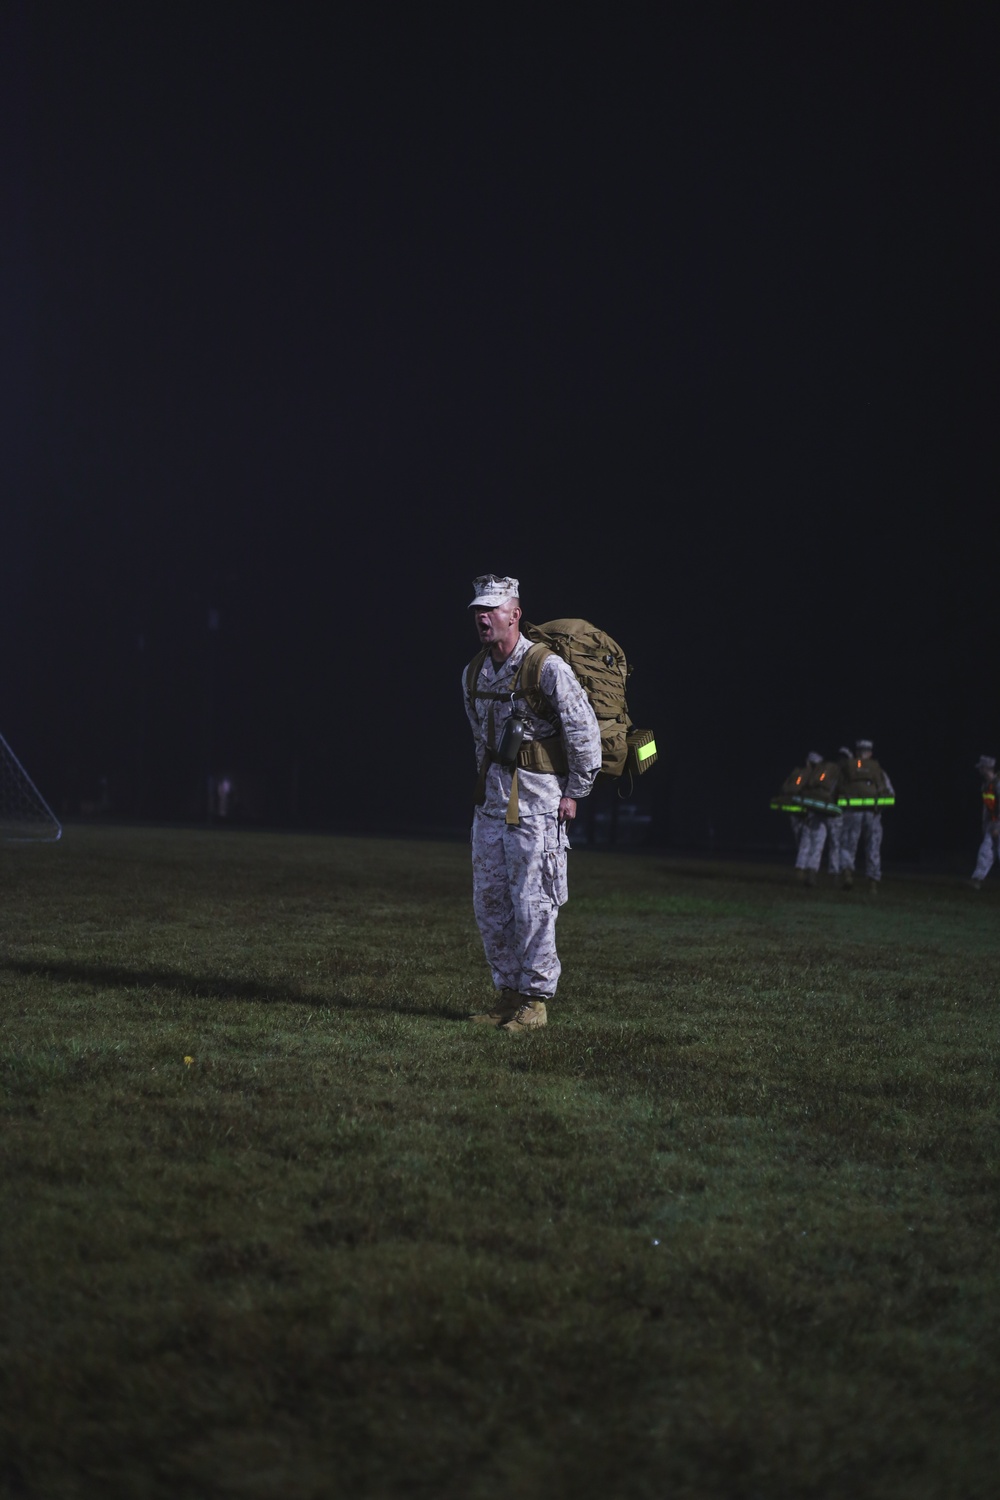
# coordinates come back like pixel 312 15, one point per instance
pixel 809 788
pixel 793 783
pixel 863 786
pixel 599 665
pixel 821 782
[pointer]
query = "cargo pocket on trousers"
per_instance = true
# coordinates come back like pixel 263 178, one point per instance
pixel 554 882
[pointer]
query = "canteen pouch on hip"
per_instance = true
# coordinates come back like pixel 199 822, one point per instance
pixel 510 741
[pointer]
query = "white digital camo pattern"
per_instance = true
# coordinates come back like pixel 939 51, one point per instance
pixel 518 886
pixel 833 834
pixel 519 872
pixel 488 591
pixel 538 792
pixel 811 841
pixel 852 826
pixel 988 851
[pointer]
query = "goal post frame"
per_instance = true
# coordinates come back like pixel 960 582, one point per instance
pixel 33 822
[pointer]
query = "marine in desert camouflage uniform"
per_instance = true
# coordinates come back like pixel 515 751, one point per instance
pixel 989 849
pixel 814 824
pixel 790 788
pixel 520 842
pixel 866 825
pixel 835 829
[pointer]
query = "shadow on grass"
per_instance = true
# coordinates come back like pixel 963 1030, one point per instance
pixel 211 987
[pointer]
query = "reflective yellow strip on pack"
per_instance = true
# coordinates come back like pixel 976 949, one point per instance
pixel 643 752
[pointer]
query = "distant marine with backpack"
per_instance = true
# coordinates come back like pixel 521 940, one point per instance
pixel 863 791
pixel 989 848
pixel 835 827
pixel 809 796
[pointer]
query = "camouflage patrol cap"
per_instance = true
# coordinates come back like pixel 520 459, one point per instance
pixel 845 752
pixel 986 763
pixel 860 745
pixel 489 590
pixel 813 759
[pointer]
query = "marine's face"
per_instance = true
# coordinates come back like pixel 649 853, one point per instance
pixel 496 625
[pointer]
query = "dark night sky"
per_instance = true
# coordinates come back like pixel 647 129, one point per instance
pixel 684 314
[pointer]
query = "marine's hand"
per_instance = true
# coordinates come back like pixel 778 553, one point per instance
pixel 567 809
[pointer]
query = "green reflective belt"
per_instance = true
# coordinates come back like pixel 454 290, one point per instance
pixel 789 807
pixel 866 801
pixel 645 751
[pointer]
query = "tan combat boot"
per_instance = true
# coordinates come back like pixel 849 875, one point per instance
pixel 529 1015
pixel 509 1004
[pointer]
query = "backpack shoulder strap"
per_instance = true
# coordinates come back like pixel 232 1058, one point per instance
pixel 472 673
pixel 529 680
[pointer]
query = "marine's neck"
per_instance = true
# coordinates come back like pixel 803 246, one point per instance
pixel 501 650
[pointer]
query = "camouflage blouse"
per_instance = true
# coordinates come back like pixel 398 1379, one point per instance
pixel 539 792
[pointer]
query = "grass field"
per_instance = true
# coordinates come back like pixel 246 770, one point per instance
pixel 279 1224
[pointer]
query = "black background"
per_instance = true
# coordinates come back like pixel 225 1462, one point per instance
pixel 684 315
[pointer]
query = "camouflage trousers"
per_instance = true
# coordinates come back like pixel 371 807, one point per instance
pixel 989 850
pixel 852 826
pixel 811 841
pixel 834 834
pixel 518 886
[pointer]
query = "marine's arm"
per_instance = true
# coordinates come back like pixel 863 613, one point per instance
pixel 473 719
pixel 581 735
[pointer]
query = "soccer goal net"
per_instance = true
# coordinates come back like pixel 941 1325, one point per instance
pixel 24 813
